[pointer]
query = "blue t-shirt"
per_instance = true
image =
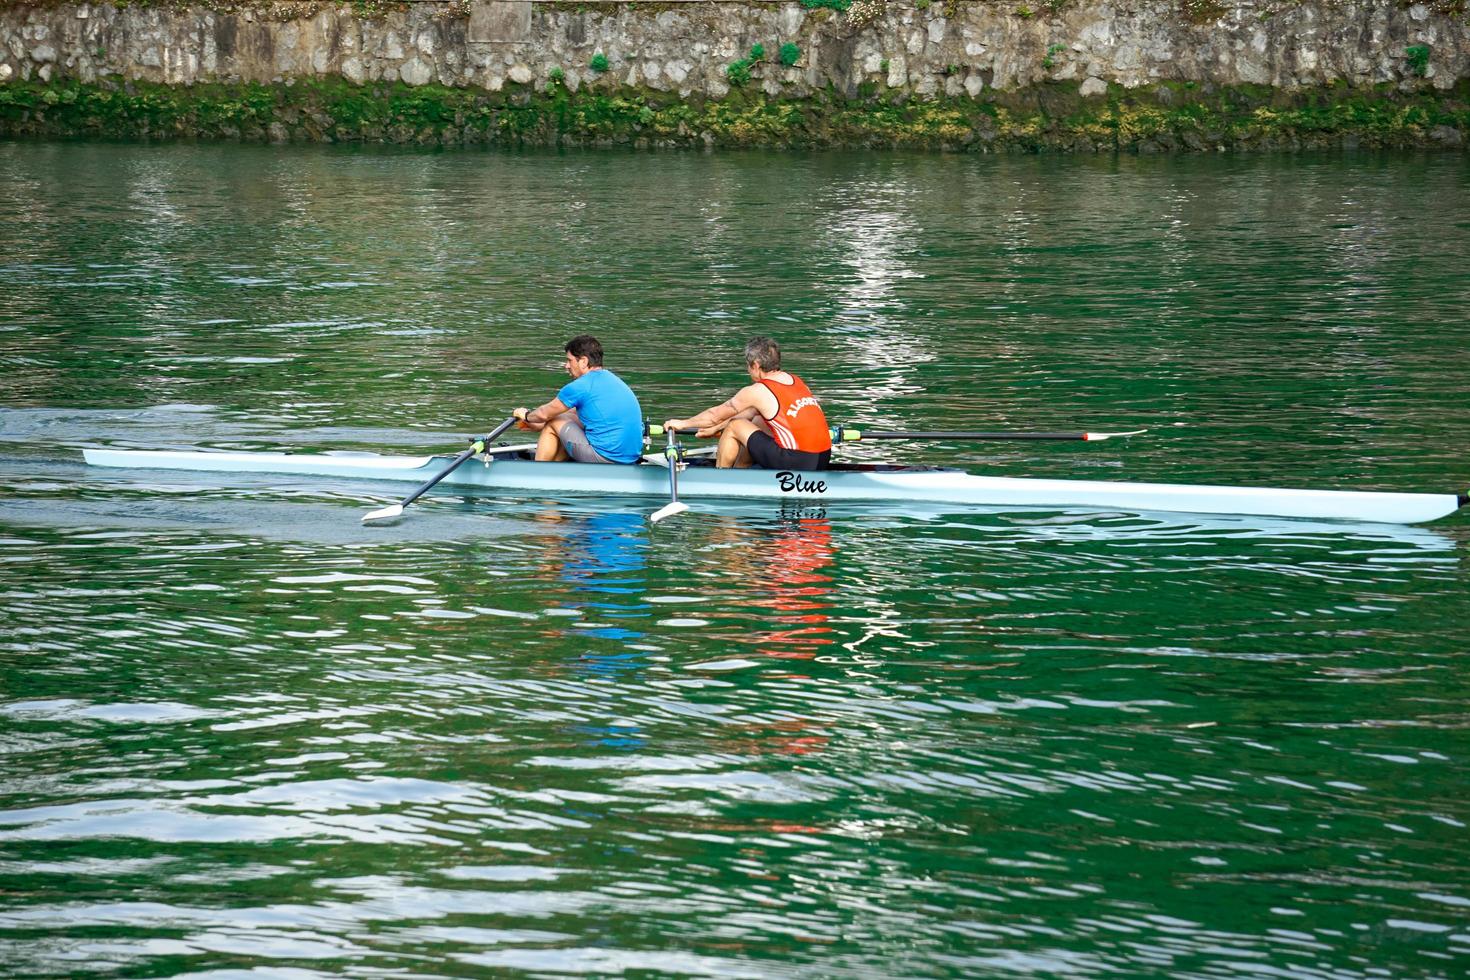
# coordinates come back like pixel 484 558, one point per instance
pixel 610 414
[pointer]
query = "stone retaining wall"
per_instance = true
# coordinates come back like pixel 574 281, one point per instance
pixel 954 49
pixel 967 73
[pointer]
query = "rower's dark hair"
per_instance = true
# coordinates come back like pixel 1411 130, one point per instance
pixel 764 353
pixel 585 345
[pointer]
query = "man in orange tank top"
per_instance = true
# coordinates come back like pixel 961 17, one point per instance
pixel 774 423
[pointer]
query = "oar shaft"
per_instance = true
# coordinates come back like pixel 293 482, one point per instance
pixel 842 434
pixel 671 457
pixel 478 446
pixel 868 435
pixel 671 454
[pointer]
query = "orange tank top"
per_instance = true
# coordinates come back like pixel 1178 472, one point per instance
pixel 799 422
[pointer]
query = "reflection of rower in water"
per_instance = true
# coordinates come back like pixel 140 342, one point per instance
pixel 775 423
pixel 603 564
pixel 801 587
pixel 791 578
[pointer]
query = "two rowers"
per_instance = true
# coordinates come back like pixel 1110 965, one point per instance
pixel 773 423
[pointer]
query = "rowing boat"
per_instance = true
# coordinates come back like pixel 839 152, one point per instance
pixel 917 484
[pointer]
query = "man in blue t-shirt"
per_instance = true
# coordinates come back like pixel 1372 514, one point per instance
pixel 595 418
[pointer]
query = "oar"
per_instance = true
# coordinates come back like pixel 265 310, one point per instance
pixel 478 446
pixel 841 434
pixel 671 456
pixel 844 434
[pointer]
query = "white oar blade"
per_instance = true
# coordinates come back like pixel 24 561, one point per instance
pixel 669 510
pixel 1101 436
pixel 384 515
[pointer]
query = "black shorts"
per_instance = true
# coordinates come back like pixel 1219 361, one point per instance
pixel 769 456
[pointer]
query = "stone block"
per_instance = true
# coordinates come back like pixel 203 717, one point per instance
pixel 898 71
pixel 416 72
pixel 1447 136
pixel 500 22
pixel 790 19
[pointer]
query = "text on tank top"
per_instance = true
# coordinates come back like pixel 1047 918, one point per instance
pixel 799 422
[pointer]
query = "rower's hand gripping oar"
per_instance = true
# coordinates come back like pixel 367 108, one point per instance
pixel 671 457
pixel 478 446
pixel 841 434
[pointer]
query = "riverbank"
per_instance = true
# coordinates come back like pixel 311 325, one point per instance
pixel 1054 117
pixel 1154 75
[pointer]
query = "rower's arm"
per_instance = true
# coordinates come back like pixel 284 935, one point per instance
pixel 744 400
pixel 705 419
pixel 537 418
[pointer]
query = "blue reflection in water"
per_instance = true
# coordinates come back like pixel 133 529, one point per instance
pixel 610 555
pixel 607 555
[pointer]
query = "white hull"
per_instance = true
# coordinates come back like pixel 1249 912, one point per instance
pixel 902 484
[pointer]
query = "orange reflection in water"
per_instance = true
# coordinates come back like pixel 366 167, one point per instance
pixel 789 575
pixel 794 566
pixel 790 736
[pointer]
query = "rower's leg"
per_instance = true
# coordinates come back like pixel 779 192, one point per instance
pixel 732 451
pixel 728 450
pixel 548 446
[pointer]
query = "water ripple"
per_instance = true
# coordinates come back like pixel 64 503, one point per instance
pixel 245 736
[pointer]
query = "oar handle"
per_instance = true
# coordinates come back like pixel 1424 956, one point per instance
pixel 655 431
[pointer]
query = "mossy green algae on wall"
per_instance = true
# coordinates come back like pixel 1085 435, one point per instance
pixel 1167 117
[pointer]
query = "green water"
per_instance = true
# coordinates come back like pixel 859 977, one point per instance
pixel 242 735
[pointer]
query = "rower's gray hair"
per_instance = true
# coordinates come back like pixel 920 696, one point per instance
pixel 764 353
